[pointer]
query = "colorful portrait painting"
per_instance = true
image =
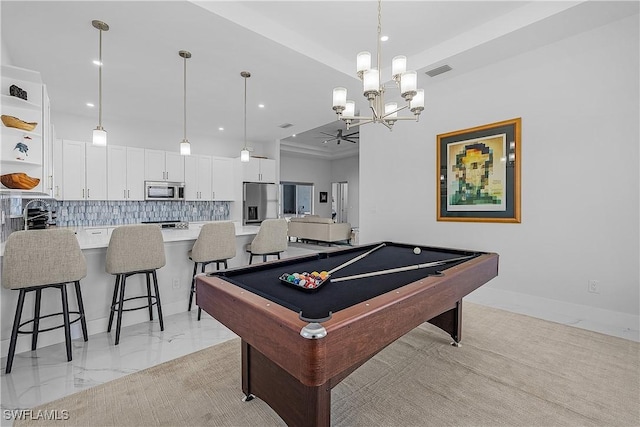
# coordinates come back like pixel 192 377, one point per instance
pixel 477 174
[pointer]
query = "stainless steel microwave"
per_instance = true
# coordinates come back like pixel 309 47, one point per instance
pixel 163 190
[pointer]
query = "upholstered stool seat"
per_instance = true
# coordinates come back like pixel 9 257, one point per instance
pixel 216 243
pixel 38 259
pixel 135 249
pixel 271 240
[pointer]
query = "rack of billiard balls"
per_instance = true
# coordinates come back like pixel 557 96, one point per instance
pixel 305 280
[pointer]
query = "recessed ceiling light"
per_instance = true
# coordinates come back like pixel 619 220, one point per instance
pixel 96 62
pixel 89 104
pixel 294 135
pixel 384 38
pixel 260 105
pixel 220 128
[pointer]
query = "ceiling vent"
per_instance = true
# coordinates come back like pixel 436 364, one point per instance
pixel 285 125
pixel 439 70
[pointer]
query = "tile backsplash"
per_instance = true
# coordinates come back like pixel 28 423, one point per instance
pixel 93 213
pixel 98 213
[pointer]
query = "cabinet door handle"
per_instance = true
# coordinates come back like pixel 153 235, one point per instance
pixel 83 193
pixel 128 194
pixel 124 193
pixel 213 194
pixel 88 196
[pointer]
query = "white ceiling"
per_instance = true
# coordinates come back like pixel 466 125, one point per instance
pixel 296 51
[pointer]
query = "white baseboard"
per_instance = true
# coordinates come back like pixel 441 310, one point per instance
pixel 623 325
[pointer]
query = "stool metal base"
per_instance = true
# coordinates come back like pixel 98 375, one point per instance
pixel 117 302
pixel 193 279
pixel 264 256
pixel 17 325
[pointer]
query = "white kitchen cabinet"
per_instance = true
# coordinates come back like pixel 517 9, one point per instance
pixel 135 173
pixel 57 169
pixel 163 166
pixel 259 170
pixel 24 151
pixel 48 138
pixel 197 178
pixel 125 177
pixel 84 171
pixel 223 178
pixel 96 173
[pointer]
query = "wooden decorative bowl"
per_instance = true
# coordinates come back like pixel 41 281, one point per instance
pixel 19 181
pixel 14 122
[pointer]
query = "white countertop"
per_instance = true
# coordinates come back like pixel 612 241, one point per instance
pixel 98 237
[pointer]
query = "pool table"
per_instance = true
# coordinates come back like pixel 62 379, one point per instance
pixel 297 344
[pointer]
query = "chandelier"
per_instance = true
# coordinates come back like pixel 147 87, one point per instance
pixel 382 112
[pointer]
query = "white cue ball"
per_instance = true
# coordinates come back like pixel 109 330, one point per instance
pixel 417 250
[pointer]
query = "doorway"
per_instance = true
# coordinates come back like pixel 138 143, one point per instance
pixel 340 201
pixel 297 199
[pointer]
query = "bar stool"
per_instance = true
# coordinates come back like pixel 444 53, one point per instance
pixel 135 249
pixel 216 243
pixel 39 259
pixel 271 239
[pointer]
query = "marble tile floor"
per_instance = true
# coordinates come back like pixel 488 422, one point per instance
pixel 45 375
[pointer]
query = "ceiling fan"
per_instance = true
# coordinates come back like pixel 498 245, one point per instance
pixel 352 137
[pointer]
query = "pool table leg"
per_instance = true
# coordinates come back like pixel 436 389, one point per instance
pixel 296 403
pixel 451 322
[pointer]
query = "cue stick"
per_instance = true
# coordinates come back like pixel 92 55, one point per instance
pixel 358 258
pixel 400 269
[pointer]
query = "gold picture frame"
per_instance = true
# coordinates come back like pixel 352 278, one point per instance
pixel 478 173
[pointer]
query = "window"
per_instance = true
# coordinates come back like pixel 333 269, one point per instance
pixel 297 199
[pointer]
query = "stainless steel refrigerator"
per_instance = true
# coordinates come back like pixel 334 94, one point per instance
pixel 259 202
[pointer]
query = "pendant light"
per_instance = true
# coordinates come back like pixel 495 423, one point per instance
pixel 99 134
pixel 185 146
pixel 244 154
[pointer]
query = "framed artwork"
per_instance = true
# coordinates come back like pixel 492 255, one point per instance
pixel 479 173
pixel 323 197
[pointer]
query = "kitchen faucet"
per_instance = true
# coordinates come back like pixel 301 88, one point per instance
pixel 25 212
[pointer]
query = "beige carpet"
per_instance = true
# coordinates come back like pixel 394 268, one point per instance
pixel 511 370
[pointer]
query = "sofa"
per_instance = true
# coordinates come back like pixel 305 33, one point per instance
pixel 318 229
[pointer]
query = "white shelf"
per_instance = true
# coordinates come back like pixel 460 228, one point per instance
pixel 37 192
pixel 9 101
pixel 17 73
pixel 21 132
pixel 21 162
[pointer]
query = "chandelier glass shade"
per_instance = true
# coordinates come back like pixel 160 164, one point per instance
pixel 382 112
pixel 99 134
pixel 185 146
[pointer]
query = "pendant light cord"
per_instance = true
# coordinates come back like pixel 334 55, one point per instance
pixel 379 36
pixel 185 98
pixel 100 83
pixel 245 112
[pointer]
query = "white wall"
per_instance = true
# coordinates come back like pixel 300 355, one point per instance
pixel 5 55
pixel 322 173
pixel 579 103
pixel 311 171
pixel 348 170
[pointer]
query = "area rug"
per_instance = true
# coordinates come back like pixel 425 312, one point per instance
pixel 511 370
